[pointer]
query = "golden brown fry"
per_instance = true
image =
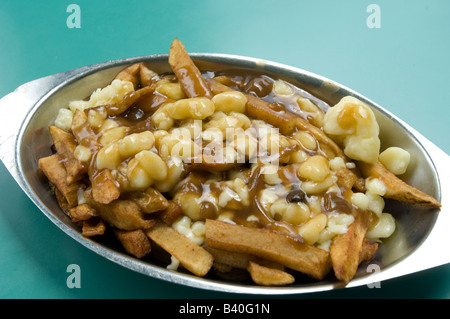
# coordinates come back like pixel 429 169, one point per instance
pixel 105 188
pixel 188 74
pixel 150 200
pixel 149 103
pixel 222 268
pixel 65 145
pixel 267 112
pixel 83 132
pixel 121 213
pixel 287 122
pixel 228 258
pixel 217 87
pixel 239 260
pixel 395 187
pixel 269 245
pixel 82 212
pixel 135 242
pixel 192 256
pixel 368 250
pixel 266 276
pixel 171 213
pixel 228 273
pixel 93 227
pixel 130 73
pixel 53 168
pixel 345 248
pixel 138 74
pixel 126 102
pixel 147 77
pixel 346 178
pixel 62 201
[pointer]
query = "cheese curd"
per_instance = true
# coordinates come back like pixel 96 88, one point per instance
pixel 112 93
pixel 337 223
pixel 353 124
pixel 395 159
pixel 383 229
pixel 195 231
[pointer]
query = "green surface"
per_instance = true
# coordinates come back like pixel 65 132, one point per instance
pixel 403 66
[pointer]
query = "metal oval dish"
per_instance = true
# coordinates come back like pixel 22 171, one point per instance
pixel 24 138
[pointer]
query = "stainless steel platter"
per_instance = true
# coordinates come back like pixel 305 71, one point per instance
pixel 416 245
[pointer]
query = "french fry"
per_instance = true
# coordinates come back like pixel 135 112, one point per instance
pixel 130 73
pixel 268 245
pixel 346 178
pixel 222 268
pixel 239 260
pixel 171 213
pixel 138 74
pixel 83 132
pixel 135 242
pixel 192 256
pixel 65 145
pixel 53 168
pixel 62 201
pixel 395 187
pixel 368 250
pixel 126 102
pixel 105 188
pixel 230 258
pixel 217 86
pixel 287 122
pixel 345 248
pixel 93 227
pixel 147 77
pixel 149 103
pixel 267 112
pixel 228 273
pixel 82 212
pixel 266 276
pixel 150 200
pixel 121 213
pixel 188 74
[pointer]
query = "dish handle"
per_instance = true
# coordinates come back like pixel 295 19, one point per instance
pixel 16 105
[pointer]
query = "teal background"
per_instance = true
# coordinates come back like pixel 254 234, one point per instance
pixel 403 66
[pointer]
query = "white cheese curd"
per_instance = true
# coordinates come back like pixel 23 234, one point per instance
pixel 64 119
pixel 383 229
pixel 113 93
pixel 375 186
pixel 193 231
pixel 353 124
pixel 174 264
pixel 337 223
pixel 395 159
